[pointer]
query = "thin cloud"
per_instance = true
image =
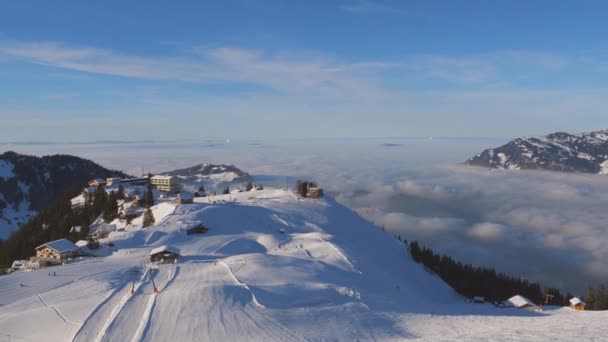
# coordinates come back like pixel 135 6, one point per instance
pixel 277 71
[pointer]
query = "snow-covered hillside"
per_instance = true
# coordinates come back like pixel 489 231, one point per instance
pixel 29 184
pixel 213 177
pixel 587 152
pixel 271 267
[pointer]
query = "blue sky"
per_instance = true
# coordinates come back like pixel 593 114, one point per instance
pixel 308 69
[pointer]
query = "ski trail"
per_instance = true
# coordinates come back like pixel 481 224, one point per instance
pixel 97 308
pixel 238 282
pixel 280 220
pixel 145 322
pixel 117 309
pixel 352 267
pixel 54 309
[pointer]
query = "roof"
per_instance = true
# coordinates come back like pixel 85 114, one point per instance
pixel 89 189
pixel 165 248
pixel 60 246
pixel 518 301
pixel 163 177
pixel 98 180
pixel 576 301
pixel 82 243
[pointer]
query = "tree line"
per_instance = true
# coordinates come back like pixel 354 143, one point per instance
pixel 596 298
pixel 471 281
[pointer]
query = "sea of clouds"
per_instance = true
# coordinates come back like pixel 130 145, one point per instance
pixel 547 227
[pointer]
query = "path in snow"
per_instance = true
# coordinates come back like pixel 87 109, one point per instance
pixel 206 302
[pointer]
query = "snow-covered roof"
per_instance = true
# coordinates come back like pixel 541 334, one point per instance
pixel 98 181
pixel 82 243
pixel 76 229
pixel 89 190
pixel 165 249
pixel 18 263
pixel 576 301
pixel 518 301
pixel 60 246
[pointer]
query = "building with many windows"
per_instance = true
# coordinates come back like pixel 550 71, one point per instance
pixel 170 184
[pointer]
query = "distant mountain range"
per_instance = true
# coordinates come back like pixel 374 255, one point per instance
pixel 29 184
pixel 586 153
pixel 211 176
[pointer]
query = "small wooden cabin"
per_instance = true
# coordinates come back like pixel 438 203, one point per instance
pixel 519 302
pixel 184 198
pixel 164 254
pixel 198 229
pixel 577 304
pixel 56 251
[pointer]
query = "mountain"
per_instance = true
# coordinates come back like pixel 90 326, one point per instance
pixel 271 267
pixel 29 184
pixel 587 152
pixel 211 176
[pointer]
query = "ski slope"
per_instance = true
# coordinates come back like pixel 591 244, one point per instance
pixel 330 276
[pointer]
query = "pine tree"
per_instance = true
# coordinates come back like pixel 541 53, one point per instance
pixel 111 208
pixel 201 189
pixel 99 201
pixel 227 190
pixel 249 186
pixel 148 218
pixel 149 198
pixel 121 192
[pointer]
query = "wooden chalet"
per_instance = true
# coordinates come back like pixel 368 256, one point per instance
pixel 164 254
pixel 57 251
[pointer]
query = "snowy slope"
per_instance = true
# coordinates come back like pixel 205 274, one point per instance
pixel 213 177
pixel 331 276
pixel 587 152
pixel 29 184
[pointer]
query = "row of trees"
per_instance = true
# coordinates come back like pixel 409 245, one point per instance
pixel 52 223
pixel 471 281
pixel 597 298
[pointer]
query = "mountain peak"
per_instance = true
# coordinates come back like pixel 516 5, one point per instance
pixel 559 151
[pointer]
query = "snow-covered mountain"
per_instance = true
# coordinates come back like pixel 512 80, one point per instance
pixel 272 267
pixel 587 152
pixel 211 176
pixel 29 184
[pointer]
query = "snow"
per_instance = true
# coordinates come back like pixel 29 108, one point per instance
pixel 222 177
pixel 60 246
pixel 604 168
pixel 81 243
pixel 6 169
pixel 332 276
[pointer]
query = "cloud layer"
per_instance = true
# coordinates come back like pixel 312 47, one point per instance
pixel 547 227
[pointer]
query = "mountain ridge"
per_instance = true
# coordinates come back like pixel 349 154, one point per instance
pixel 559 151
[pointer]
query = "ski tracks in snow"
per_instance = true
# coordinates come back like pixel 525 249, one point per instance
pixel 144 324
